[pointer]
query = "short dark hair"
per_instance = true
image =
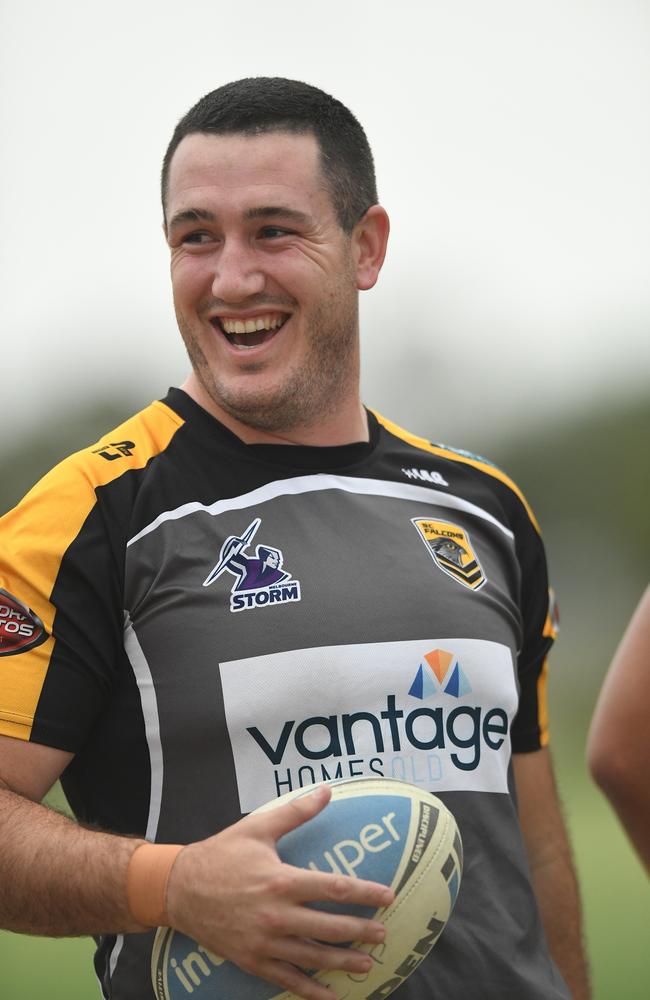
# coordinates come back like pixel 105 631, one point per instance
pixel 273 104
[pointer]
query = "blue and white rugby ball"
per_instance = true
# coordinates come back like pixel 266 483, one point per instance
pixel 373 828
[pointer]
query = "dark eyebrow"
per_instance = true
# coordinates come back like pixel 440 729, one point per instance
pixel 263 212
pixel 192 215
pixel 277 211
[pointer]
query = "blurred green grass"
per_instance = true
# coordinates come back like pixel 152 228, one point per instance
pixel 614 887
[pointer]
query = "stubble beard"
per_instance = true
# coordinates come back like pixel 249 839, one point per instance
pixel 305 395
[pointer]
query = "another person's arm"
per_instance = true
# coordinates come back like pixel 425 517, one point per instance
pixel 230 892
pixel 618 748
pixel 553 874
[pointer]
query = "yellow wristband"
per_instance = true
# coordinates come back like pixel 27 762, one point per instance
pixel 146 882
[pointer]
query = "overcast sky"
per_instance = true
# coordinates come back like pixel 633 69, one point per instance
pixel 512 143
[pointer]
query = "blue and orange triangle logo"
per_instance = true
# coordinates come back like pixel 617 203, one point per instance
pixel 439 670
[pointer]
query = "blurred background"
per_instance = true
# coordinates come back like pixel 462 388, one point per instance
pixel 512 142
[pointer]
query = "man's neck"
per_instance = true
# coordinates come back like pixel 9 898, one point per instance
pixel 348 425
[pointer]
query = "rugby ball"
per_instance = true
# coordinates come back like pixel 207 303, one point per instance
pixel 379 829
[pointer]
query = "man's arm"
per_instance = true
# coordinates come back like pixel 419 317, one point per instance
pixel 553 874
pixel 56 878
pixel 618 749
pixel 230 892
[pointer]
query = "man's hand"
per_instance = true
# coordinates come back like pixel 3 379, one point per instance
pixel 234 895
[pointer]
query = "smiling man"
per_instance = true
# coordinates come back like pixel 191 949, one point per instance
pixel 256 585
pixel 265 283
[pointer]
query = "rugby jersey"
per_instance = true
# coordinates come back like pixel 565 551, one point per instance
pixel 207 624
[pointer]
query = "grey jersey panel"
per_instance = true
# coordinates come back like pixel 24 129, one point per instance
pixel 360 603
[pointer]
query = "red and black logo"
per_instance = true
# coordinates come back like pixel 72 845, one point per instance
pixel 20 628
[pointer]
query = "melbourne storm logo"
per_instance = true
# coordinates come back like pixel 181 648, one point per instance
pixel 259 578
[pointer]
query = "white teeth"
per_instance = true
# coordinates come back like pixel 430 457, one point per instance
pixel 269 322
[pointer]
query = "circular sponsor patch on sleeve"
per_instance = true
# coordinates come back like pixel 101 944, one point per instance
pixel 20 628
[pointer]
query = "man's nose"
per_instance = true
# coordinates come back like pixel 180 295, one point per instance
pixel 238 274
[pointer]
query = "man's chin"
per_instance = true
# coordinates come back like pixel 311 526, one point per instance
pixel 270 409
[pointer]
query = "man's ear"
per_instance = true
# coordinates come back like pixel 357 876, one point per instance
pixel 369 240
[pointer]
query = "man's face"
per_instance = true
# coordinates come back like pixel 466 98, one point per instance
pixel 264 281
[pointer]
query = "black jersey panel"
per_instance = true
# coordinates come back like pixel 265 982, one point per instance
pixel 88 648
pixel 107 769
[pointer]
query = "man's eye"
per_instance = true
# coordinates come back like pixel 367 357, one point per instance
pixel 274 232
pixel 197 239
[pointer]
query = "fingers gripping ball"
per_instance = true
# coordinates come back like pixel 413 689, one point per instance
pixel 378 829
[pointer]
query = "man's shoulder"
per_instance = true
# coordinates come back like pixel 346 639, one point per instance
pixel 475 464
pixel 131 445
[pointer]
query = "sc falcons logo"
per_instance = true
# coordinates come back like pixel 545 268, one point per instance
pixel 450 548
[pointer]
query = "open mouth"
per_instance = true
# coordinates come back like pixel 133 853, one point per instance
pixel 252 331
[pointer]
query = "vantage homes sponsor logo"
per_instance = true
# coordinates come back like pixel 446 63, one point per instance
pixel 439 671
pixel 433 714
pixel 260 579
